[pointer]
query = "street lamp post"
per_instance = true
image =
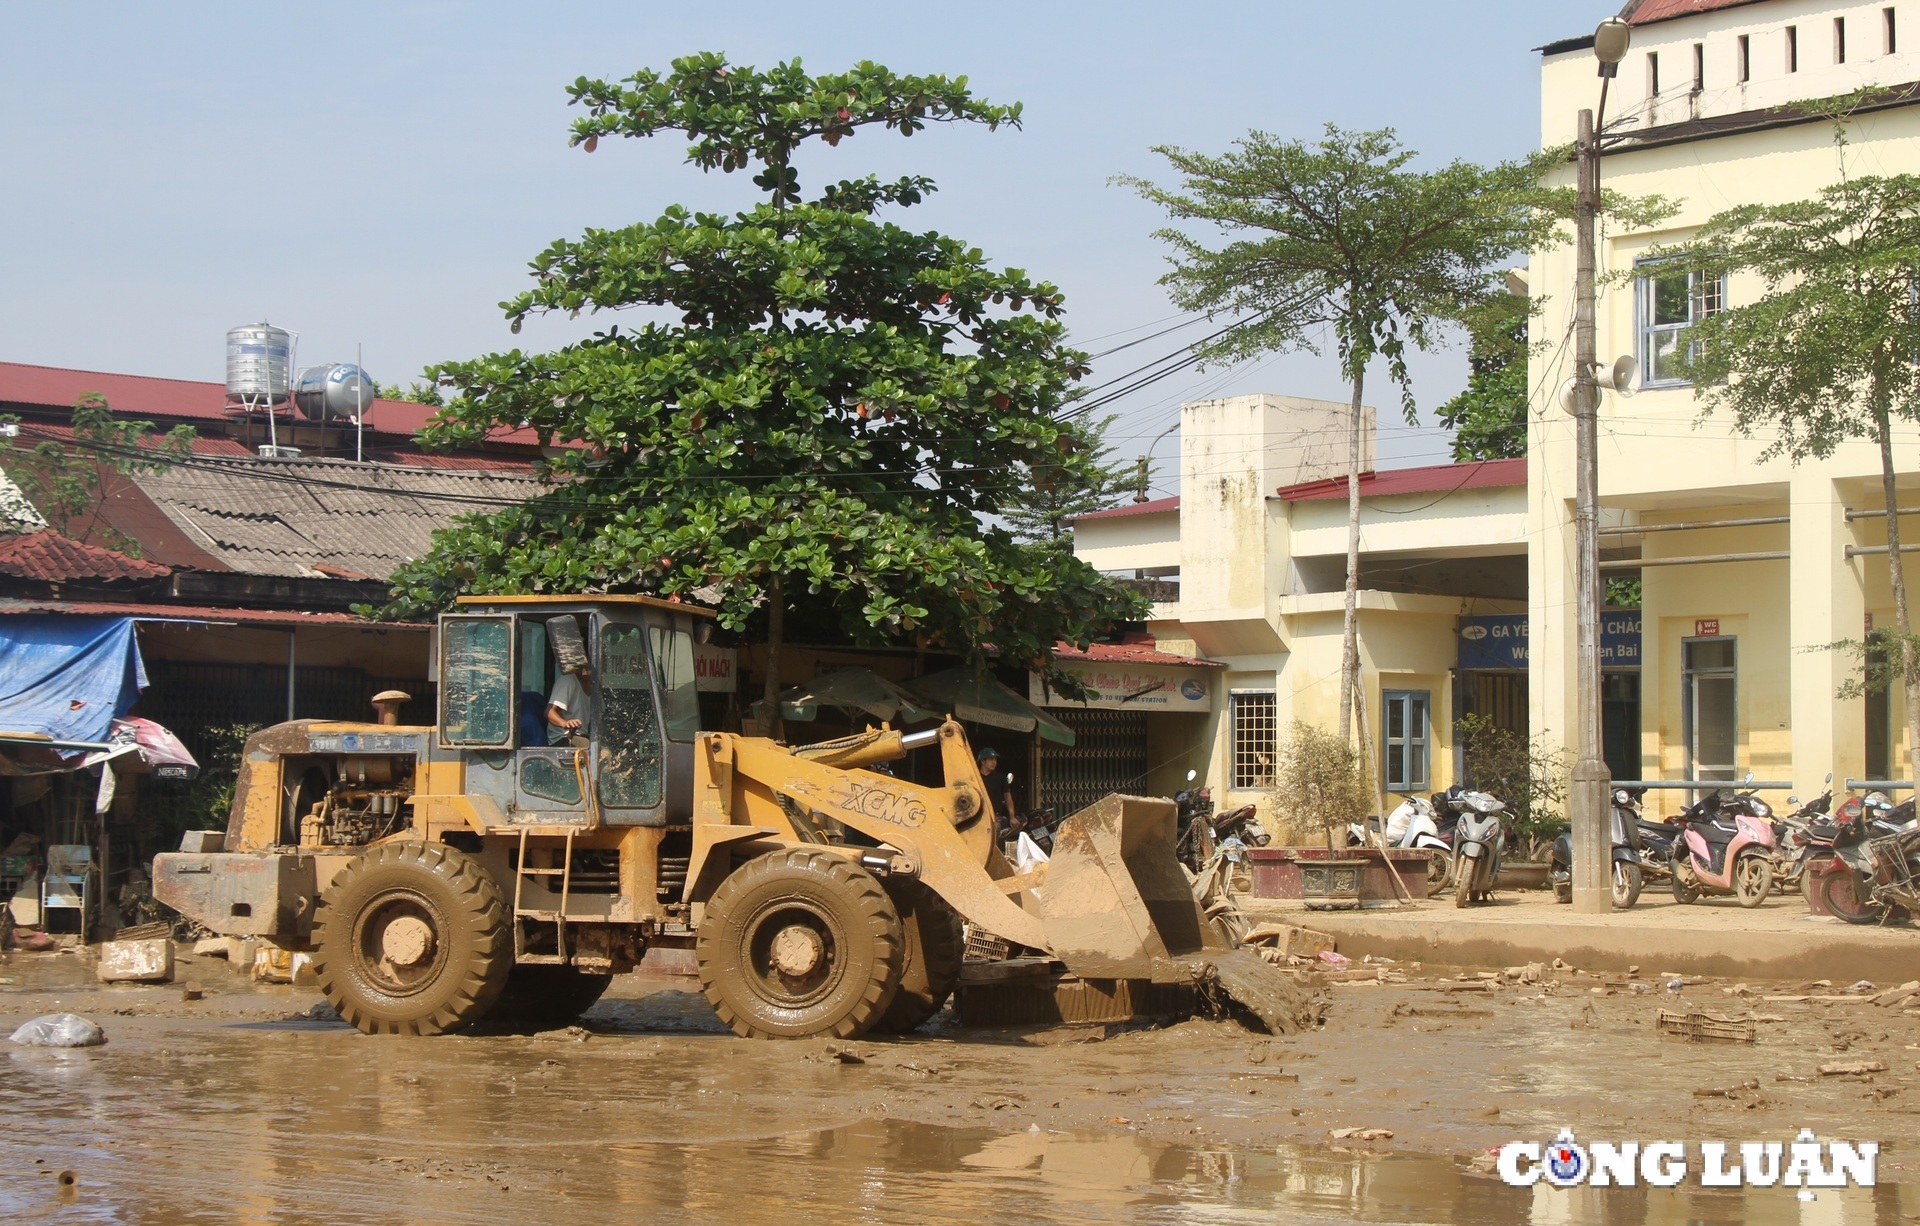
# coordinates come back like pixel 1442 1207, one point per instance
pixel 1590 802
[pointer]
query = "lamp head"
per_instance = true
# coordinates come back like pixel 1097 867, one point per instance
pixel 1610 41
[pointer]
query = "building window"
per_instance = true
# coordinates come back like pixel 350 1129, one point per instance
pixel 1699 67
pixel 1653 79
pixel 1709 720
pixel 1793 48
pixel 1746 59
pixel 1254 738
pixel 1669 304
pixel 1839 40
pixel 1405 744
pixel 1886 30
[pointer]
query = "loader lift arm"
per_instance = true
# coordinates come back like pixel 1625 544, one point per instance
pixel 943 835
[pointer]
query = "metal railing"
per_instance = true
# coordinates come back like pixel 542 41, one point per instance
pixel 1879 785
pixel 1704 785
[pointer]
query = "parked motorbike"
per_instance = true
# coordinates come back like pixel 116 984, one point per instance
pixel 1725 846
pixel 1855 862
pixel 1790 834
pixel 1204 834
pixel 1413 823
pixel 1479 841
pixel 1627 876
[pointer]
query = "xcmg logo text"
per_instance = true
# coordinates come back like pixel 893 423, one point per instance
pixel 1804 1162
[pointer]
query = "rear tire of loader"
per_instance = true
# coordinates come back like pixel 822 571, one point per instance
pixel 797 944
pixel 539 995
pixel 936 948
pixel 412 938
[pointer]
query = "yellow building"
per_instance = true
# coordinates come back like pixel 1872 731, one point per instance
pixel 1252 558
pixel 1748 567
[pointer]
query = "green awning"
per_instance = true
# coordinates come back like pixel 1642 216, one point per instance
pixel 855 689
pixel 982 700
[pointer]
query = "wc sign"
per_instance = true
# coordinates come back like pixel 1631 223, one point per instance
pixel 1803 1163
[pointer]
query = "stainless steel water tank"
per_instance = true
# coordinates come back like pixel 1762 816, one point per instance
pixel 328 391
pixel 259 362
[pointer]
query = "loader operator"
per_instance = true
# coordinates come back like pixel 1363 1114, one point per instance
pixel 568 706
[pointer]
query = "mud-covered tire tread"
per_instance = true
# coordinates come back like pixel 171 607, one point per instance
pixel 1635 880
pixel 483 941
pixel 935 950
pixel 860 1000
pixel 537 994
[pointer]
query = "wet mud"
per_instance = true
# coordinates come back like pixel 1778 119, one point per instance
pixel 244 1107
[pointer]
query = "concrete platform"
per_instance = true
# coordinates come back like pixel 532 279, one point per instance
pixel 1777 940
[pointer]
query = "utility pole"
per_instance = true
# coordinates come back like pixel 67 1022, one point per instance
pixel 1591 803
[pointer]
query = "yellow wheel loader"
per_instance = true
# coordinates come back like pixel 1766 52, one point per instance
pixel 566 812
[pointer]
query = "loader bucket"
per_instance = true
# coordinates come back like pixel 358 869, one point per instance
pixel 1116 903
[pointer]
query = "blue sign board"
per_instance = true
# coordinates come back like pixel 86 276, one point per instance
pixel 1499 641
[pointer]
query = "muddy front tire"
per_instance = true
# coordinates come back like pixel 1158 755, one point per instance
pixel 1627 881
pixel 1463 881
pixel 1841 894
pixel 1752 879
pixel 800 943
pixel 412 938
pixel 935 950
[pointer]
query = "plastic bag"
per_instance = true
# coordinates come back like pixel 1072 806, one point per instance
pixel 1027 853
pixel 60 1030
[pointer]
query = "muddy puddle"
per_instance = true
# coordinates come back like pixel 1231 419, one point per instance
pixel 240 1107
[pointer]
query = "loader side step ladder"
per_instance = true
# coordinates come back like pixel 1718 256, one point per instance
pixel 557 918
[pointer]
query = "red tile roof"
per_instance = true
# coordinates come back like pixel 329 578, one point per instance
pixel 194 613
pixel 1430 479
pixel 49 557
pixel 1134 508
pixel 1646 12
pixel 183 399
pixel 1131 652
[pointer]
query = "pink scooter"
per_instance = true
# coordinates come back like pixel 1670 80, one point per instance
pixel 1725 847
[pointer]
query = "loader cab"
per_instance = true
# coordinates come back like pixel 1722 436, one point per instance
pixel 500 659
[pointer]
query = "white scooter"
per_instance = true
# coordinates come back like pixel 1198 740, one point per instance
pixel 1411 824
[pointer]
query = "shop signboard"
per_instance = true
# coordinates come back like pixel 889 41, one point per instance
pixel 1120 686
pixel 1499 641
pixel 713 668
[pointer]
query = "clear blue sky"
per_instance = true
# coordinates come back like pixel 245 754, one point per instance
pixel 382 173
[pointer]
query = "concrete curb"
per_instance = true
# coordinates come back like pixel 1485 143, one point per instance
pixel 1668 939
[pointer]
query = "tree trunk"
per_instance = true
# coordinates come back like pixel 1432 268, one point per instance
pixel 1897 576
pixel 1350 644
pixel 776 630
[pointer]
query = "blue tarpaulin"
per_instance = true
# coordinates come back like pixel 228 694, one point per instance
pixel 68 677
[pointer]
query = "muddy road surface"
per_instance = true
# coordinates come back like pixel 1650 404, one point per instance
pixel 251 1105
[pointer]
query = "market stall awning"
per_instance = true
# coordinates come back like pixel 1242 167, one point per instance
pixel 982 700
pixel 68 678
pixel 855 689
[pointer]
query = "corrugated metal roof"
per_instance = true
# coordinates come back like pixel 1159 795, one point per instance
pixel 1646 12
pixel 147 611
pixel 57 387
pixel 1130 653
pixel 49 557
pixel 1428 479
pixel 289 517
pixel 1151 507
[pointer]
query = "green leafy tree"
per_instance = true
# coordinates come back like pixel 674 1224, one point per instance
pixel 1343 236
pixel 1825 353
pixel 69 480
pixel 418 393
pixel 819 403
pixel 1049 496
pixel 1489 417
